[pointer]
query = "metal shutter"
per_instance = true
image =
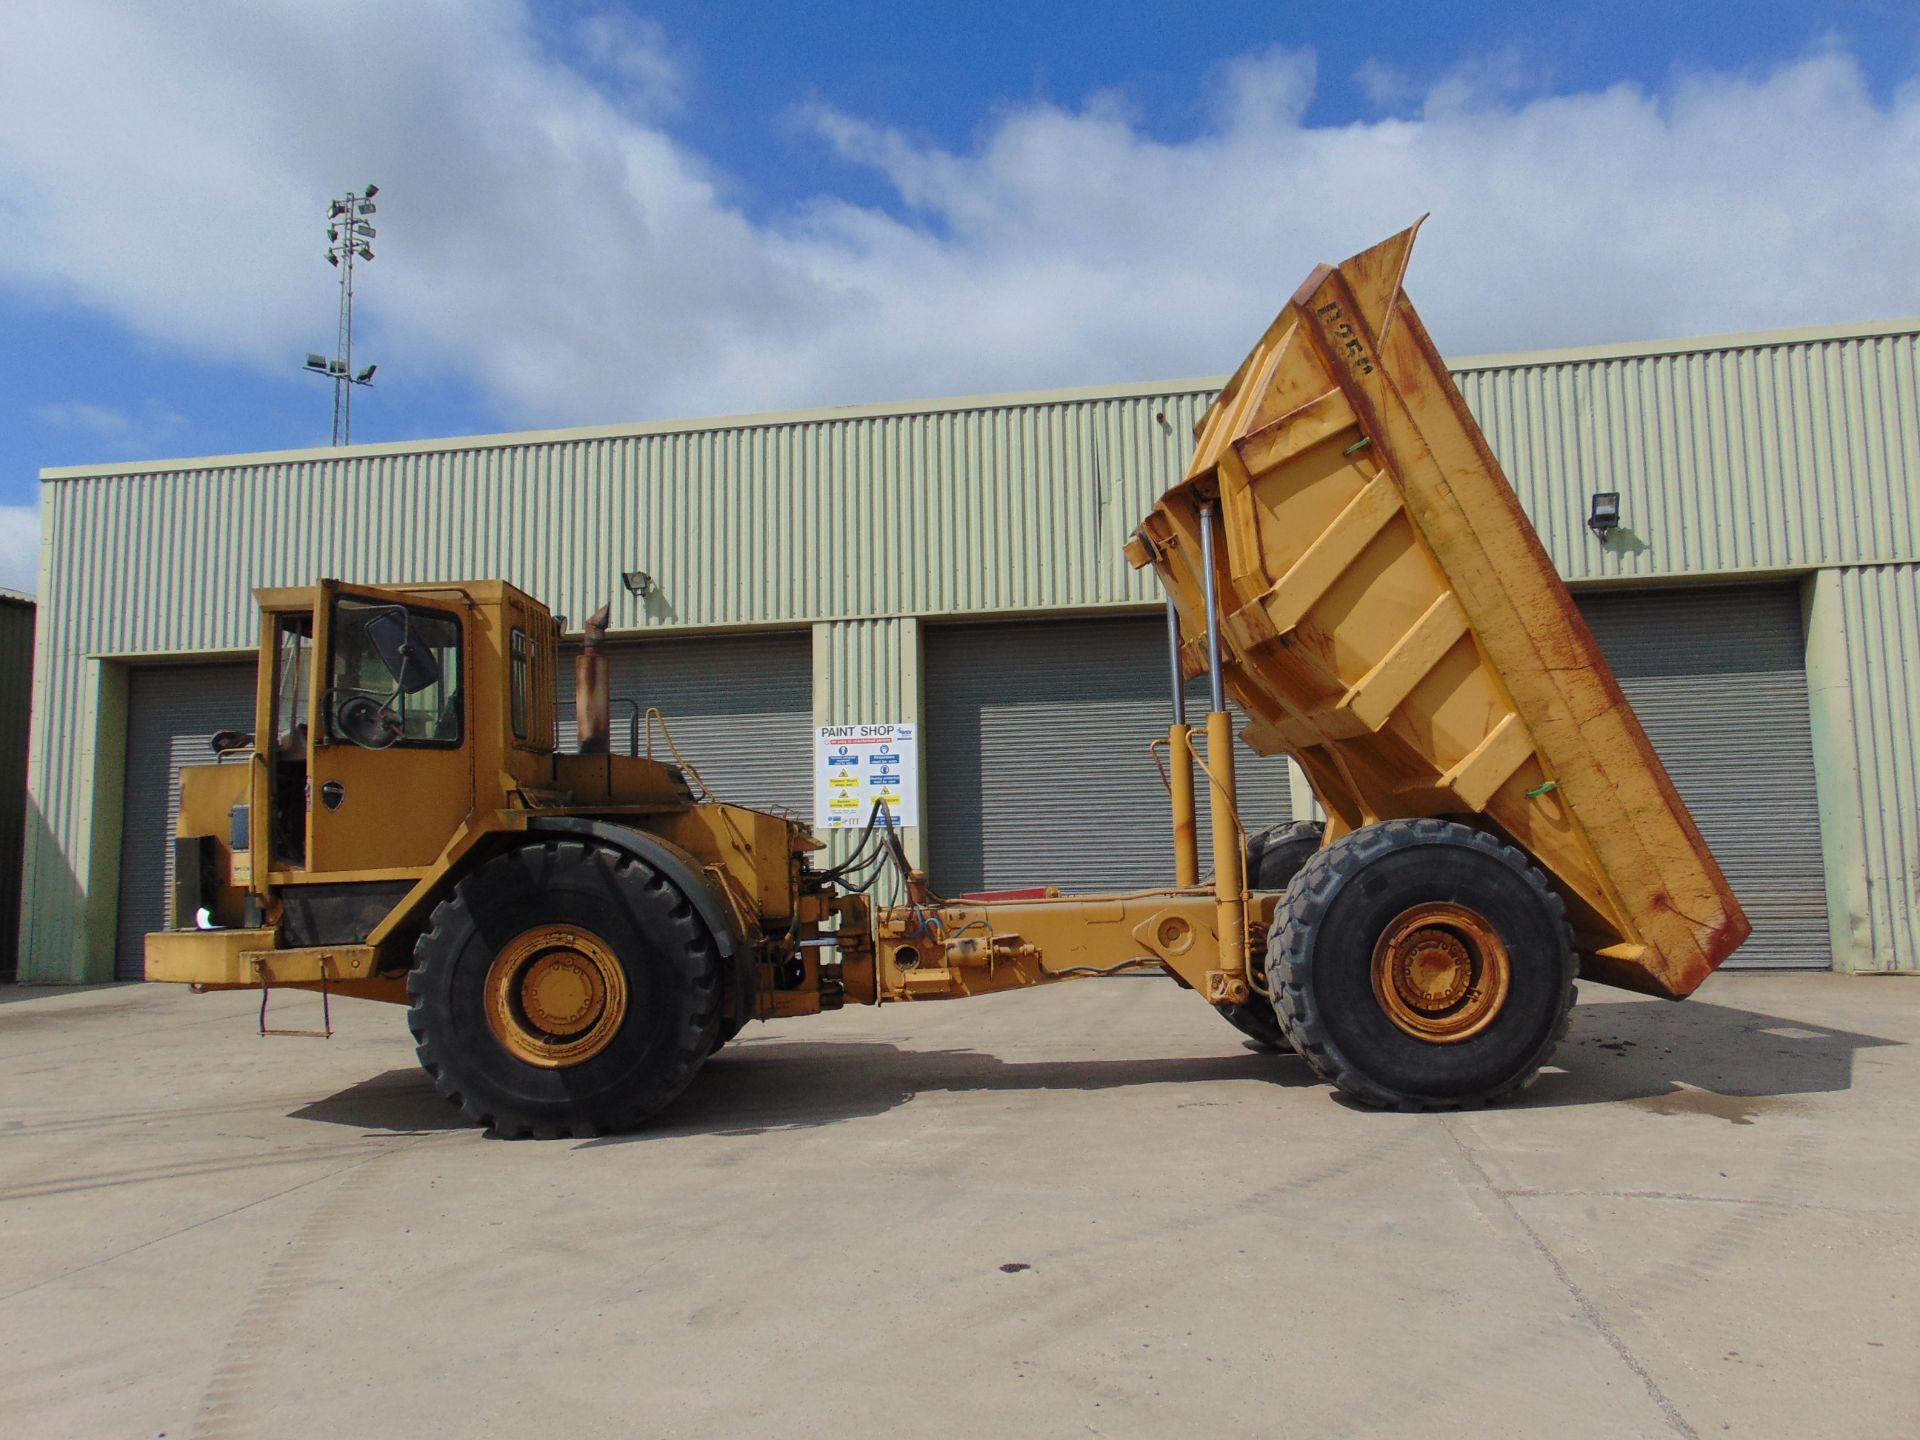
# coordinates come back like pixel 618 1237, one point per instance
pixel 1719 680
pixel 1036 756
pixel 172 713
pixel 740 707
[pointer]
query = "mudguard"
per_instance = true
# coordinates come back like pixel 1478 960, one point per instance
pixel 683 872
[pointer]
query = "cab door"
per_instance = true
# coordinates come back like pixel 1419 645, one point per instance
pixel 391 775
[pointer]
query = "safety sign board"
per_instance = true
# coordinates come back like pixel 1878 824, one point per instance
pixel 855 765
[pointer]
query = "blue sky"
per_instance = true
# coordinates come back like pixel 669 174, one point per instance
pixel 595 213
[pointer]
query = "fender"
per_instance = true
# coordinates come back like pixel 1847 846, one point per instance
pixel 682 871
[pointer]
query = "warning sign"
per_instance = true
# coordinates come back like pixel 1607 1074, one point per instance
pixel 856 765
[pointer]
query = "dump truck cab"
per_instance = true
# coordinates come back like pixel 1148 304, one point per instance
pixel 443 695
pixel 404 738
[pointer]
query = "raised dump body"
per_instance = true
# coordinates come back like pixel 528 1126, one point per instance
pixel 1389 618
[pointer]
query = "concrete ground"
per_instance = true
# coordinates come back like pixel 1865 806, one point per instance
pixel 1087 1211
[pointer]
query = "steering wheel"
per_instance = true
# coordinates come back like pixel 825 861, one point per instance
pixel 367 720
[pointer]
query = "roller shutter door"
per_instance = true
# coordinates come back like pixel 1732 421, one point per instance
pixel 172 714
pixel 1036 757
pixel 740 707
pixel 1719 679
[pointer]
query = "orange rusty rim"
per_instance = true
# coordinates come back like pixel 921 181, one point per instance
pixel 556 996
pixel 1441 973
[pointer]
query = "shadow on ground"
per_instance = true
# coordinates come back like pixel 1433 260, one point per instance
pixel 1695 1057
pixel 754 1086
pixel 779 1085
pixel 400 1102
pixel 1690 1058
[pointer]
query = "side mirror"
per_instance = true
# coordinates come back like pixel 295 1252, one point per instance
pixel 400 648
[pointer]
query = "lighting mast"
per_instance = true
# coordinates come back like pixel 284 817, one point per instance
pixel 348 234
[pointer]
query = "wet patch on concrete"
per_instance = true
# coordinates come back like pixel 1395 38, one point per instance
pixel 1710 1104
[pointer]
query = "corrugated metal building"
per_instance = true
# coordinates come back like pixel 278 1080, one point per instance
pixel 958 565
pixel 16 691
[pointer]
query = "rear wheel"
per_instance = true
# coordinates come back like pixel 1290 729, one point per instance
pixel 564 988
pixel 1274 857
pixel 1422 963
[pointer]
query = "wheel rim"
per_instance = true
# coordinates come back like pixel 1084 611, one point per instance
pixel 556 996
pixel 1441 973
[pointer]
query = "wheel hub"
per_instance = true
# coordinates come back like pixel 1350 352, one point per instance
pixel 559 993
pixel 556 996
pixel 1441 973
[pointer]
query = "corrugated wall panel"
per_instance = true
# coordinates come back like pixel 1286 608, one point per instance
pixel 948 511
pixel 16 690
pixel 1881 605
pixel 1727 460
pixel 1772 457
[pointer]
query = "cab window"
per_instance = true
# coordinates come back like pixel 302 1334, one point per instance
pixel 292 687
pixel 393 676
pixel 517 688
pixel 294 647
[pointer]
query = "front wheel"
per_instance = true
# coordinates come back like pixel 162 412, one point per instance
pixel 564 989
pixel 1420 963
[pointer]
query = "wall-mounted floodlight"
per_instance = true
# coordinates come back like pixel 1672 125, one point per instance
pixel 639 584
pixel 1603 518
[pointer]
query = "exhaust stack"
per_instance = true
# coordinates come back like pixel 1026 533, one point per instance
pixel 591 704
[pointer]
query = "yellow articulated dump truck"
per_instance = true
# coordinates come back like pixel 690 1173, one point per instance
pixel 574 934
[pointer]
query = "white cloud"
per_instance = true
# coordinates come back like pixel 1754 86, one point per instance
pixel 541 230
pixel 151 422
pixel 19 547
pixel 82 415
pixel 637 55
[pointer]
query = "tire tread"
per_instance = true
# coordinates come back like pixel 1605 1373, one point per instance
pixel 1290 959
pixel 697 954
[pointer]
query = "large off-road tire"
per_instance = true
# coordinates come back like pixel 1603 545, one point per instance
pixel 1274 857
pixel 1420 963
pixel 564 988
